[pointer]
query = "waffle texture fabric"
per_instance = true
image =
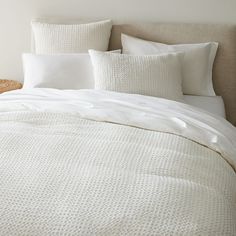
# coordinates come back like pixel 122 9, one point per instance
pixel 70 38
pixel 68 172
pixel 152 75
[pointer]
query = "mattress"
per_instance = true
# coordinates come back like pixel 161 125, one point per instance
pixel 103 163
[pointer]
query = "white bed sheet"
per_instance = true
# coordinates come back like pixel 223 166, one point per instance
pixel 182 119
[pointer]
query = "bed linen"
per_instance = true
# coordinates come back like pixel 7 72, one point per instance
pixel 103 163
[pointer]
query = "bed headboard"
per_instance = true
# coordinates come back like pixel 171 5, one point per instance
pixel 224 72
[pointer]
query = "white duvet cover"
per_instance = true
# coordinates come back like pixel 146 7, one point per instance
pixel 102 163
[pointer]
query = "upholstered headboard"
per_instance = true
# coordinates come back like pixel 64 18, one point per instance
pixel 224 72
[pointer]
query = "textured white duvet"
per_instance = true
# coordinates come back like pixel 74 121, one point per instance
pixel 154 167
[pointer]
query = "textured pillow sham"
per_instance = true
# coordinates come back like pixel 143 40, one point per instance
pixel 70 38
pixel 197 63
pixel 159 76
pixel 59 71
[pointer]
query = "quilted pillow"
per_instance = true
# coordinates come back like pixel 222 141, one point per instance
pixel 71 38
pixel 159 76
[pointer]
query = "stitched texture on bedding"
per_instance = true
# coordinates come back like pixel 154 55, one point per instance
pixel 74 38
pixel 60 174
pixel 152 75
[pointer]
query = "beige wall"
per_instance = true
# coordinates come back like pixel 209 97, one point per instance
pixel 15 16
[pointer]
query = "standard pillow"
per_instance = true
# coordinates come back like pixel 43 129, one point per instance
pixel 159 76
pixel 73 38
pixel 60 71
pixel 197 63
pixel 213 104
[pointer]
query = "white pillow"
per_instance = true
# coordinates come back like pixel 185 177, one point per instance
pixel 60 71
pixel 197 64
pixel 73 38
pixel 213 104
pixel 153 75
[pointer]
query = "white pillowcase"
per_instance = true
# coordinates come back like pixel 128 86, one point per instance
pixel 72 38
pixel 197 63
pixel 60 71
pixel 213 104
pixel 159 76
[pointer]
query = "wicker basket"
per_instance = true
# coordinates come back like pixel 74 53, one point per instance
pixel 8 85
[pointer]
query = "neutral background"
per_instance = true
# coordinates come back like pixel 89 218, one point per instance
pixel 15 16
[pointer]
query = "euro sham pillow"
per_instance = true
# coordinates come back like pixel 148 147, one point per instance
pixel 154 75
pixel 59 71
pixel 197 63
pixel 70 38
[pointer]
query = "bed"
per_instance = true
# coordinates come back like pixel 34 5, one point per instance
pixel 96 162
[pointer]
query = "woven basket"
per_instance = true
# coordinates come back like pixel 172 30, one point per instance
pixel 8 85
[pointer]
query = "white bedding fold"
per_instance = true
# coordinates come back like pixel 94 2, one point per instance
pixel 132 110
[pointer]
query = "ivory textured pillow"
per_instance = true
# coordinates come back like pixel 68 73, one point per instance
pixel 159 76
pixel 197 63
pixel 73 38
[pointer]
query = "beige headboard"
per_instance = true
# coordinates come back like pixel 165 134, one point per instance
pixel 224 72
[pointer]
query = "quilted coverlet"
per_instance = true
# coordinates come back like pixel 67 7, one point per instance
pixel 92 163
